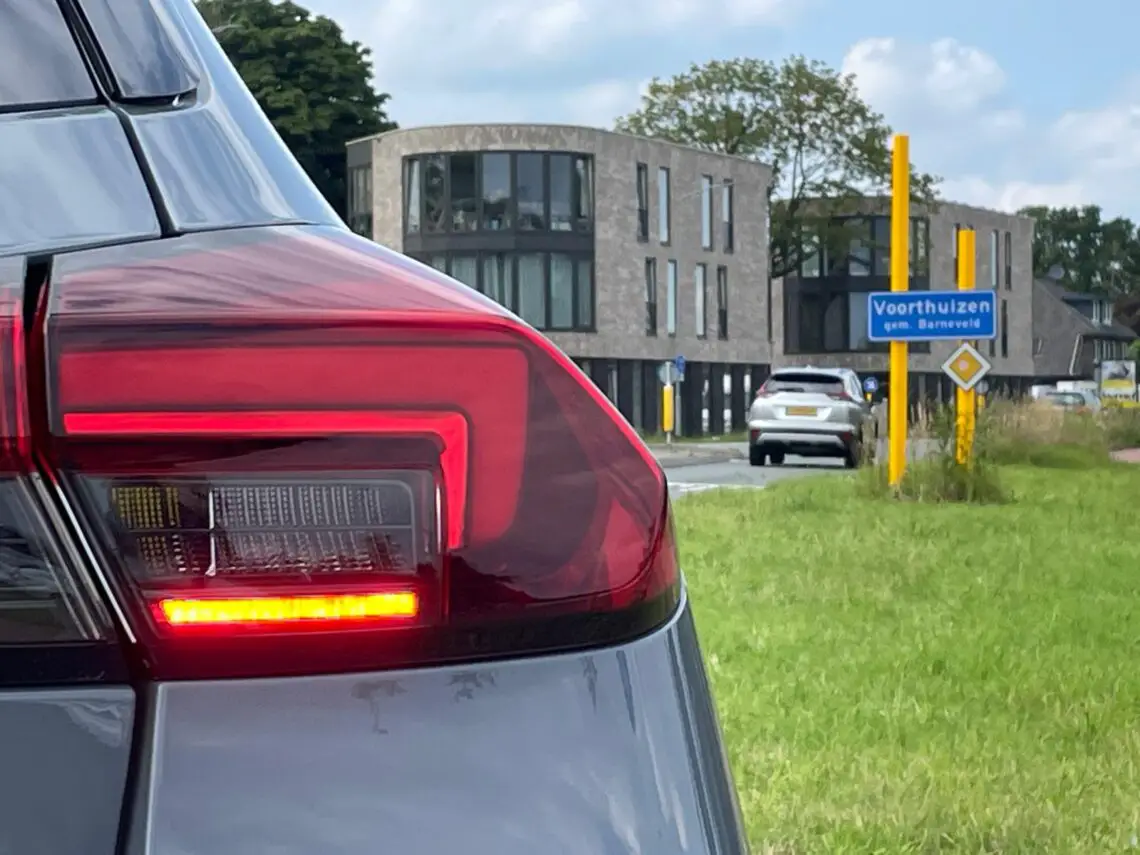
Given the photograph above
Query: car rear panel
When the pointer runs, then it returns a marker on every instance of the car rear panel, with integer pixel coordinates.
(65, 755)
(611, 751)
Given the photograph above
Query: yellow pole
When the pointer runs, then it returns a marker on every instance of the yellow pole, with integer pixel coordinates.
(900, 281)
(966, 402)
(667, 411)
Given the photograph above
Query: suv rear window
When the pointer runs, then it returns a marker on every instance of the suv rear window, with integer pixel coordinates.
(39, 62)
(805, 381)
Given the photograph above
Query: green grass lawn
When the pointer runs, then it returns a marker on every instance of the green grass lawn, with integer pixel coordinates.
(909, 678)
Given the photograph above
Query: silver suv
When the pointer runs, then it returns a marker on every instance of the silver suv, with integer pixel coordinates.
(810, 412)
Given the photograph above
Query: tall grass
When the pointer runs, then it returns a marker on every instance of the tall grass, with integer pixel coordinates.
(1008, 432)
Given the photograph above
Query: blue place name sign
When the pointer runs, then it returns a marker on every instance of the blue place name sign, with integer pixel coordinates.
(931, 315)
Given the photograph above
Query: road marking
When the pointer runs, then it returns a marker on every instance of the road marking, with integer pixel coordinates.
(683, 487)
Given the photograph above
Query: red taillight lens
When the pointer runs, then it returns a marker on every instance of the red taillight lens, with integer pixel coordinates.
(841, 396)
(266, 474)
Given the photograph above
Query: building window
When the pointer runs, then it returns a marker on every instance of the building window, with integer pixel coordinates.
(663, 212)
(994, 260)
(1008, 261)
(413, 184)
(810, 262)
(584, 294)
(499, 279)
(561, 193)
(532, 289)
(496, 177)
(435, 197)
(957, 235)
(465, 268)
(722, 303)
(859, 257)
(701, 276)
(642, 202)
(583, 194)
(726, 214)
(671, 298)
(706, 212)
(651, 296)
(464, 192)
(499, 191)
(561, 291)
(550, 291)
(1004, 330)
(360, 200)
(920, 248)
(530, 191)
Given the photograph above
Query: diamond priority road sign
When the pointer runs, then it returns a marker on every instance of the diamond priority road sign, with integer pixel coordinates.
(966, 367)
(931, 315)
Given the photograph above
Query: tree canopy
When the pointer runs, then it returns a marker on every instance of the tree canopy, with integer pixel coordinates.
(826, 146)
(1089, 252)
(313, 84)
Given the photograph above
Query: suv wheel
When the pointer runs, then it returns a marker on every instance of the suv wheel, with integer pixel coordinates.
(777, 458)
(756, 455)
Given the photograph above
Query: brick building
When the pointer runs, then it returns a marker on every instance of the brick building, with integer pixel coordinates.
(624, 251)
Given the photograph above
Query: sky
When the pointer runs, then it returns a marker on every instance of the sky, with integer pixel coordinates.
(1012, 102)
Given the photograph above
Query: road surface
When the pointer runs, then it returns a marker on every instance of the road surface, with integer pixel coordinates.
(697, 477)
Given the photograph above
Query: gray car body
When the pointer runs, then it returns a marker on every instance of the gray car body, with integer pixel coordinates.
(596, 752)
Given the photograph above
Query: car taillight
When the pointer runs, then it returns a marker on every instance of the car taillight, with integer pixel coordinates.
(301, 453)
(763, 393)
(841, 396)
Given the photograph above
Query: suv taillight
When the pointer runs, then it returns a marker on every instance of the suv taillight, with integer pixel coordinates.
(300, 453)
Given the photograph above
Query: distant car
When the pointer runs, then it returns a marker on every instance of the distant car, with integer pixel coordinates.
(1078, 400)
(810, 412)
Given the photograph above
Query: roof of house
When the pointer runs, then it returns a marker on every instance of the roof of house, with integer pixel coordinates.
(1085, 326)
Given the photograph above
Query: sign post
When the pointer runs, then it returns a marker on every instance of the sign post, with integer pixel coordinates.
(965, 397)
(669, 373)
(900, 282)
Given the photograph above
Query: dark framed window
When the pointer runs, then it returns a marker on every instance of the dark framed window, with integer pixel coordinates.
(499, 191)
(360, 200)
(435, 193)
(1008, 261)
(722, 303)
(701, 299)
(811, 258)
(860, 253)
(642, 202)
(994, 259)
(552, 291)
(956, 236)
(495, 180)
(920, 247)
(664, 214)
(671, 298)
(706, 212)
(562, 201)
(1004, 319)
(463, 181)
(651, 296)
(530, 191)
(727, 214)
(583, 190)
(413, 195)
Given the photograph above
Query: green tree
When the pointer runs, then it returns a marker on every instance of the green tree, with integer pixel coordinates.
(313, 84)
(826, 146)
(1089, 252)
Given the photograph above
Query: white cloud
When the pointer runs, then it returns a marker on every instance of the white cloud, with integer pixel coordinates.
(413, 41)
(953, 100)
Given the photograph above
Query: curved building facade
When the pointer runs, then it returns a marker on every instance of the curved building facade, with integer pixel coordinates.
(625, 251)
